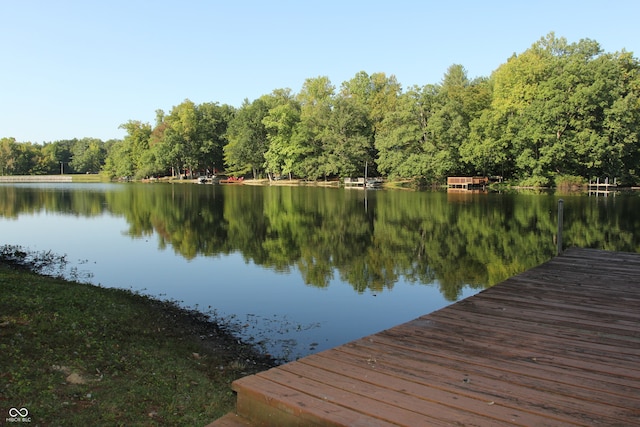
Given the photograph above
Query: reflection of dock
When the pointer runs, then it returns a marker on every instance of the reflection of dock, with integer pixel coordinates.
(602, 188)
(550, 346)
(464, 195)
(451, 190)
(467, 182)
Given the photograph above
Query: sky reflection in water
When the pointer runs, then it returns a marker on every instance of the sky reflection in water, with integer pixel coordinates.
(275, 309)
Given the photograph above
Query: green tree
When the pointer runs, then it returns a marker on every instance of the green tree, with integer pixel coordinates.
(56, 157)
(346, 139)
(448, 126)
(282, 126)
(8, 148)
(22, 158)
(192, 137)
(382, 97)
(247, 138)
(119, 161)
(129, 157)
(402, 140)
(212, 125)
(610, 145)
(138, 136)
(515, 84)
(181, 137)
(88, 155)
(316, 104)
(155, 159)
(378, 95)
(487, 150)
(554, 109)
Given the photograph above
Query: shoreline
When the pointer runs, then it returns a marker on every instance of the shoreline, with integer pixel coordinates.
(78, 354)
(394, 185)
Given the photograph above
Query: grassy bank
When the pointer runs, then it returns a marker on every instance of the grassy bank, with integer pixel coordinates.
(76, 354)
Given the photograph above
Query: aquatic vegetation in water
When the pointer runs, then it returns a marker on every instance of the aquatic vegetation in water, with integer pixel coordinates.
(42, 262)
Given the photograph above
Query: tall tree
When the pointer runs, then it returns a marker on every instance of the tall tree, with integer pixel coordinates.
(448, 127)
(138, 139)
(383, 97)
(282, 123)
(88, 155)
(402, 141)
(179, 147)
(608, 140)
(487, 150)
(550, 108)
(316, 103)
(56, 157)
(119, 161)
(20, 158)
(8, 147)
(378, 95)
(346, 139)
(247, 138)
(213, 121)
(129, 157)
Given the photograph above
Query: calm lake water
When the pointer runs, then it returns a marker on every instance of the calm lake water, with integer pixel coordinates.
(300, 269)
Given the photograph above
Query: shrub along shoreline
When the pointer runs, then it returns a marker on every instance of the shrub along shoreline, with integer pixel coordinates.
(79, 354)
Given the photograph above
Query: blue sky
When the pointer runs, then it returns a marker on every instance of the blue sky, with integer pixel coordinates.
(81, 68)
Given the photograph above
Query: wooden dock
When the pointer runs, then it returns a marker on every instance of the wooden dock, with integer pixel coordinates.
(558, 345)
(603, 188)
(467, 182)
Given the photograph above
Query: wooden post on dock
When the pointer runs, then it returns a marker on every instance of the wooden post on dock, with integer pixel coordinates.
(560, 212)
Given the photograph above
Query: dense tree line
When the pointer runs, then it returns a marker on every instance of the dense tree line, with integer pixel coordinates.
(557, 109)
(86, 155)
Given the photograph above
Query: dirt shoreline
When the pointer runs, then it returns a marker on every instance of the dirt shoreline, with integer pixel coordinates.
(214, 336)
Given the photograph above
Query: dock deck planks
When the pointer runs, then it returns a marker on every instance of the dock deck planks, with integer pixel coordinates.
(556, 345)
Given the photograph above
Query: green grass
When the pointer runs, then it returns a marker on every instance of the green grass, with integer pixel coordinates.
(76, 354)
(94, 177)
(568, 181)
